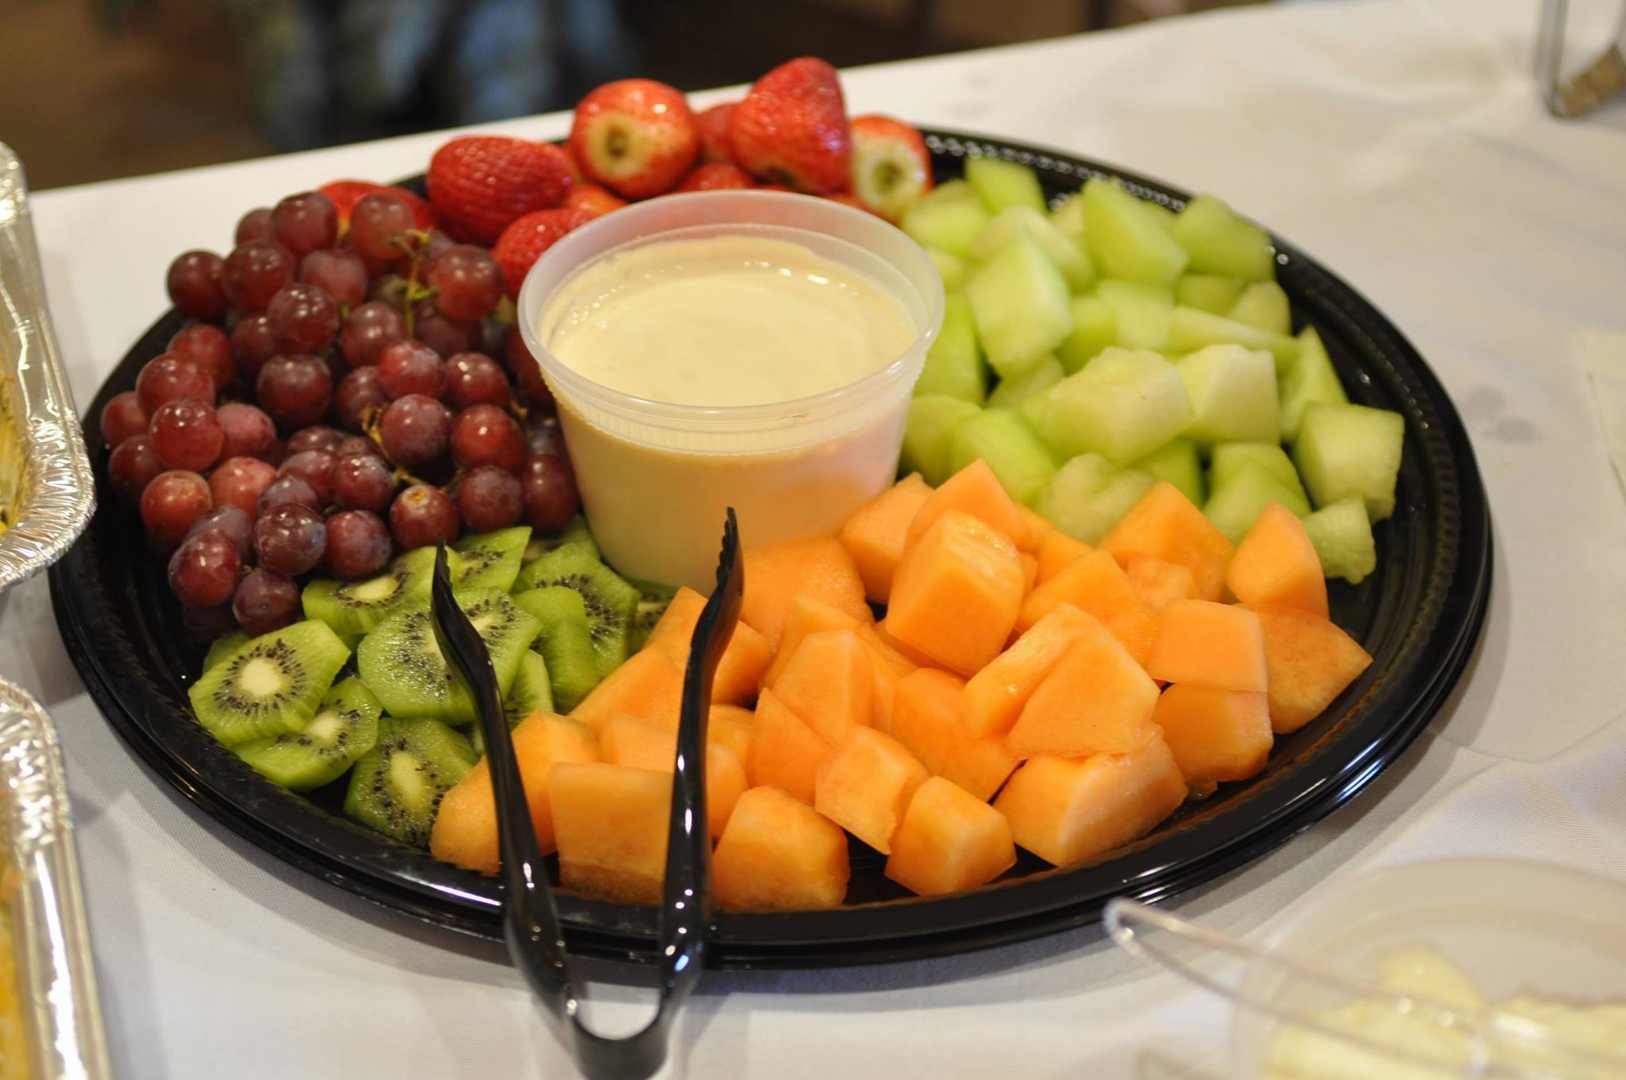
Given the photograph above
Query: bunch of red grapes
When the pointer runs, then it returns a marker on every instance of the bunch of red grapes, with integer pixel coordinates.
(337, 399)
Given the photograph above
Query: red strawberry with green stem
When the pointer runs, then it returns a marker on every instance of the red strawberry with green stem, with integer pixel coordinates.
(713, 125)
(479, 184)
(524, 241)
(636, 137)
(792, 128)
(891, 166)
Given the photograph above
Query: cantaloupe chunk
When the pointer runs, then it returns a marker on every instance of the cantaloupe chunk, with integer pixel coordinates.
(874, 536)
(808, 615)
(1066, 810)
(1159, 583)
(1276, 564)
(1214, 735)
(995, 695)
(1201, 643)
(974, 490)
(746, 657)
(1056, 552)
(730, 726)
(830, 684)
(865, 785)
(784, 751)
(950, 841)
(816, 565)
(1096, 700)
(890, 665)
(1166, 524)
(957, 592)
(649, 686)
(928, 718)
(903, 648)
(1310, 661)
(1096, 584)
(778, 854)
(611, 822)
(1030, 570)
(1037, 527)
(627, 740)
(465, 830)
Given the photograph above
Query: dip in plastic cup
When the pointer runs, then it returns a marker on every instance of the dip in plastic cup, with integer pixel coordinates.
(656, 478)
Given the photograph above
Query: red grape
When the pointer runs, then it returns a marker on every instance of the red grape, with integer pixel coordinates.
(255, 270)
(123, 418)
(207, 623)
(253, 343)
(546, 438)
(361, 389)
(295, 390)
(239, 482)
(414, 430)
(527, 372)
(132, 466)
(358, 444)
(422, 515)
(249, 431)
(255, 225)
(389, 288)
(168, 378)
(548, 490)
(197, 284)
(447, 337)
(411, 367)
(340, 274)
(265, 602)
(488, 498)
(204, 569)
(284, 490)
(467, 281)
(232, 522)
(370, 329)
(303, 317)
(438, 242)
(475, 379)
(358, 544)
(375, 223)
(305, 222)
(289, 538)
(493, 337)
(486, 435)
(171, 503)
(315, 437)
(315, 467)
(363, 482)
(208, 347)
(187, 435)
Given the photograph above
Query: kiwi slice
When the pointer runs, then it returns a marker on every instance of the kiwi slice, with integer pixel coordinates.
(401, 662)
(271, 685)
(652, 601)
(352, 608)
(223, 646)
(531, 690)
(575, 532)
(610, 601)
(397, 785)
(489, 560)
(344, 728)
(565, 642)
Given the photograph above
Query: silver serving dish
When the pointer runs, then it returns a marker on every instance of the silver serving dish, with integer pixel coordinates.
(47, 491)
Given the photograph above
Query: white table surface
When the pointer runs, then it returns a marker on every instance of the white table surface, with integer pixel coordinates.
(1400, 141)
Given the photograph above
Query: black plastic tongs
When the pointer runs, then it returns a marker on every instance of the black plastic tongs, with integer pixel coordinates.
(530, 919)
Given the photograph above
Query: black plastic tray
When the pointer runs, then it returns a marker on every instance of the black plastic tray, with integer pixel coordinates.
(1418, 616)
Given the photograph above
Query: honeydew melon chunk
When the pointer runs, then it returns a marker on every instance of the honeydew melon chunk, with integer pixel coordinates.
(1095, 326)
(1012, 450)
(1123, 405)
(947, 218)
(1015, 392)
(1002, 184)
(1343, 541)
(1089, 494)
(1069, 258)
(1127, 239)
(1020, 303)
(1163, 213)
(951, 268)
(1191, 329)
(1237, 502)
(1230, 458)
(1221, 242)
(1209, 292)
(1347, 450)
(1032, 410)
(927, 435)
(954, 364)
(1177, 462)
(1140, 312)
(1309, 378)
(1232, 391)
(1264, 304)
(1068, 216)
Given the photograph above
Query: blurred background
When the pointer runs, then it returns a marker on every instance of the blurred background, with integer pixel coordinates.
(105, 88)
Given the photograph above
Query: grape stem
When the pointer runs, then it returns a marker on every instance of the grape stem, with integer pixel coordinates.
(414, 242)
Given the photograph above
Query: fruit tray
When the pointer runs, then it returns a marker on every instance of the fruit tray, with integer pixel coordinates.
(1418, 615)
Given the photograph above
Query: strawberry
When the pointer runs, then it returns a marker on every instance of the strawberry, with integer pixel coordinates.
(891, 166)
(594, 199)
(527, 237)
(792, 128)
(636, 137)
(713, 125)
(345, 194)
(481, 183)
(717, 176)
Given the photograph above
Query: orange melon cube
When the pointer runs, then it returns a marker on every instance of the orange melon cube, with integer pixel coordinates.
(1202, 643)
(745, 658)
(649, 686)
(775, 574)
(929, 720)
(1164, 523)
(465, 830)
(1310, 661)
(784, 751)
(730, 726)
(1276, 564)
(949, 841)
(865, 785)
(995, 695)
(1056, 551)
(903, 648)
(875, 535)
(807, 616)
(1159, 583)
(974, 490)
(957, 593)
(1095, 700)
(1067, 810)
(1037, 527)
(611, 822)
(1214, 735)
(1095, 584)
(1030, 571)
(778, 854)
(636, 743)
(830, 684)
(890, 665)
(675, 629)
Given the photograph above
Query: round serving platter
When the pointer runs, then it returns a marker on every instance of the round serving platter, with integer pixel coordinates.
(1418, 615)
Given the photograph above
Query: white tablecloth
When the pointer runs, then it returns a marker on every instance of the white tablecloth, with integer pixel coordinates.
(1402, 142)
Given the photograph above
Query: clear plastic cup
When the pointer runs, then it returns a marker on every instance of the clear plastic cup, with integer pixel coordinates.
(656, 478)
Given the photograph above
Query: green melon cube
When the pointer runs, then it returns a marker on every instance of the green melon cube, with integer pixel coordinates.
(1191, 329)
(1032, 410)
(1127, 239)
(1229, 458)
(1068, 216)
(1351, 450)
(954, 364)
(1089, 494)
(1020, 302)
(1069, 258)
(1309, 378)
(951, 268)
(1233, 395)
(1264, 304)
(1237, 502)
(1123, 405)
(1177, 462)
(928, 434)
(1140, 312)
(948, 218)
(1012, 450)
(1002, 184)
(1343, 541)
(1016, 391)
(1095, 326)
(1209, 292)
(1221, 242)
